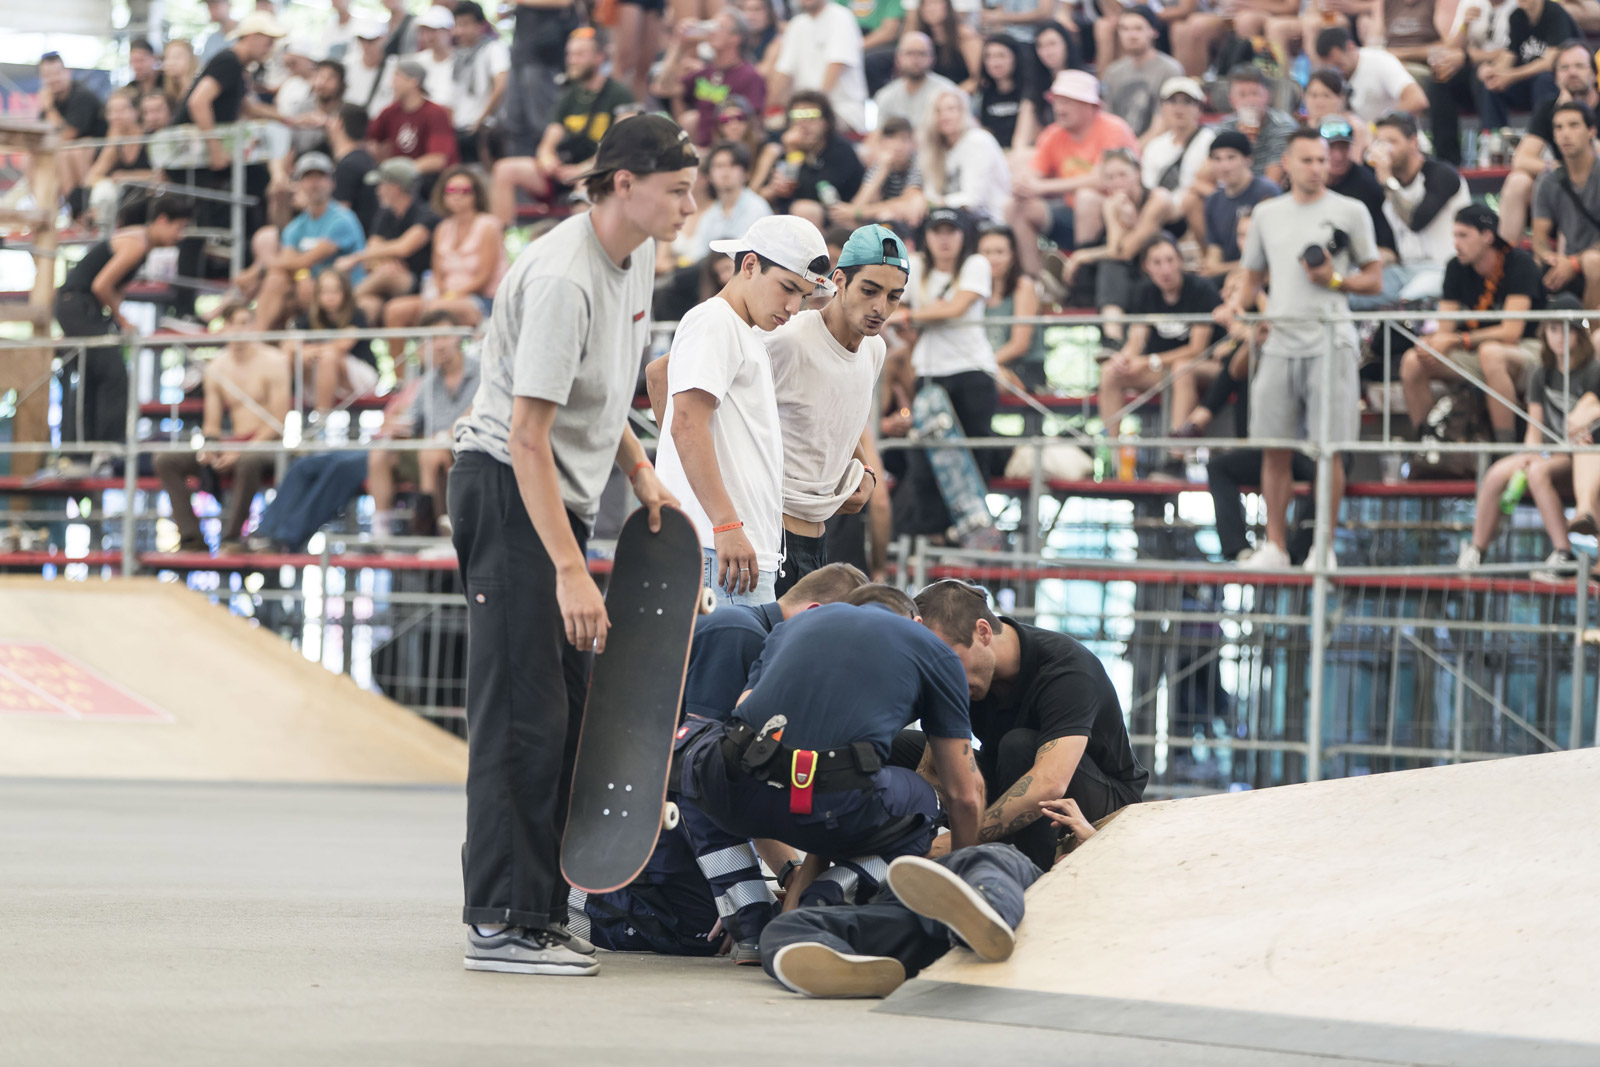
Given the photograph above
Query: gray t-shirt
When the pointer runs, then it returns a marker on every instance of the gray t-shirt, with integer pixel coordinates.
(896, 99)
(1133, 88)
(434, 408)
(569, 326)
(1551, 391)
(1266, 147)
(1280, 230)
(1551, 201)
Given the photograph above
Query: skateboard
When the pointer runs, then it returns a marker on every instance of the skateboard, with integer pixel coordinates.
(619, 777)
(956, 471)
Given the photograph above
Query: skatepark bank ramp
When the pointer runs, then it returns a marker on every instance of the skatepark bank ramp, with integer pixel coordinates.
(1438, 916)
(140, 679)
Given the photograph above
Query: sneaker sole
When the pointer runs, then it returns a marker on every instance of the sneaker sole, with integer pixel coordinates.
(514, 967)
(934, 892)
(815, 970)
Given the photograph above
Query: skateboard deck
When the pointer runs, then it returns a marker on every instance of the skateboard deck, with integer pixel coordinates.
(619, 778)
(933, 418)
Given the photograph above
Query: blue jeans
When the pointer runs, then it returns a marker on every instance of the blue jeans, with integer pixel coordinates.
(764, 592)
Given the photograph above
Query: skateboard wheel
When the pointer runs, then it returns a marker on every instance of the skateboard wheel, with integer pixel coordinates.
(669, 816)
(708, 601)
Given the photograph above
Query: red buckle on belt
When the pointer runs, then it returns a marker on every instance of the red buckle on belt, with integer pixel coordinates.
(802, 775)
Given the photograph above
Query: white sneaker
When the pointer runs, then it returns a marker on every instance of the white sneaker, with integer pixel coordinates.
(1333, 562)
(938, 893)
(1470, 558)
(1267, 557)
(1558, 567)
(1244, 555)
(815, 970)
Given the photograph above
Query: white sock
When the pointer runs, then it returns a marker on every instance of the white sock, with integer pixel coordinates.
(489, 929)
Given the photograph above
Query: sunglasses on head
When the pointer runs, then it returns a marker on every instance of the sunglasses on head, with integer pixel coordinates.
(733, 116)
(1335, 130)
(458, 187)
(805, 113)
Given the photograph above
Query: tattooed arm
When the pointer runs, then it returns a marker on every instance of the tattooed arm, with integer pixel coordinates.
(1047, 779)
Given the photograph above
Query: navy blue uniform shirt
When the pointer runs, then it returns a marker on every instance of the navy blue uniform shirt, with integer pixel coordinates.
(726, 643)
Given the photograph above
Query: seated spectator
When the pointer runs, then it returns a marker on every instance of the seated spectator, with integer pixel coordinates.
(1421, 198)
(347, 137)
(449, 382)
(1239, 188)
(881, 22)
(589, 104)
(325, 230)
(482, 73)
(414, 127)
(821, 53)
(76, 113)
(739, 121)
(1173, 159)
(1018, 347)
(220, 12)
(178, 68)
(894, 191)
(1575, 80)
(1487, 274)
(957, 48)
(1563, 390)
(143, 66)
(1130, 215)
(326, 98)
(1153, 351)
(292, 96)
(1480, 31)
(1055, 49)
(366, 67)
(696, 93)
(340, 368)
(1348, 176)
(1327, 99)
(1266, 127)
(1566, 205)
(1016, 20)
(1522, 77)
(155, 112)
(1379, 82)
(962, 164)
(1065, 165)
(910, 95)
(733, 207)
(399, 247)
(1005, 99)
(436, 55)
(469, 256)
(400, 32)
(1414, 30)
(812, 167)
(115, 162)
(1133, 83)
(764, 22)
(249, 386)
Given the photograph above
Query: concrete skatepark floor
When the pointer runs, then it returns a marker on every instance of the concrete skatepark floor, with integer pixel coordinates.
(176, 924)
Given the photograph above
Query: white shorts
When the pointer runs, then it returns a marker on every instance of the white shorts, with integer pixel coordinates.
(363, 376)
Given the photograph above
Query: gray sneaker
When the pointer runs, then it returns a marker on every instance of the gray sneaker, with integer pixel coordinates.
(938, 893)
(581, 945)
(517, 950)
(746, 953)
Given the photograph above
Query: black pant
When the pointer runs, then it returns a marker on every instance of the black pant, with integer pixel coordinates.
(801, 556)
(525, 692)
(1096, 794)
(101, 377)
(1445, 101)
(918, 506)
(214, 214)
(1227, 471)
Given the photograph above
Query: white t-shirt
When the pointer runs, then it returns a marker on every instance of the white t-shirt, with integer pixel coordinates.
(438, 83)
(976, 175)
(813, 43)
(1377, 83)
(954, 345)
(1435, 243)
(1164, 150)
(714, 350)
(825, 394)
(476, 85)
(360, 81)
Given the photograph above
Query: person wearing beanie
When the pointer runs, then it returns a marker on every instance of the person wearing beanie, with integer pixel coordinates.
(415, 127)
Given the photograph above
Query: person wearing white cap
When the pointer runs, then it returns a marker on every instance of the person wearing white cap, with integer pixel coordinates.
(721, 449)
(1064, 175)
(1172, 158)
(221, 94)
(1133, 83)
(436, 53)
(365, 65)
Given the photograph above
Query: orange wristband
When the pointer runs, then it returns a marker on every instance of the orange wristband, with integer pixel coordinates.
(637, 467)
(725, 529)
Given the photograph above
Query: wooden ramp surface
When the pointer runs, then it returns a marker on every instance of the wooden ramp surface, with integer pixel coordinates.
(1446, 915)
(140, 679)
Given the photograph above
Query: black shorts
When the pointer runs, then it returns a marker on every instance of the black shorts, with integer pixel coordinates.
(650, 7)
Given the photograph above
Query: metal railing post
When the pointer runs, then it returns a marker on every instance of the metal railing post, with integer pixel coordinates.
(1321, 551)
(236, 209)
(1580, 622)
(130, 478)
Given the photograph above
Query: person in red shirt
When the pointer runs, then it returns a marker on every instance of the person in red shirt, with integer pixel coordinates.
(696, 92)
(1065, 166)
(415, 127)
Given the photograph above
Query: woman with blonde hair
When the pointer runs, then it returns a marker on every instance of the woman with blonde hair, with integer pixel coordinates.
(963, 166)
(177, 69)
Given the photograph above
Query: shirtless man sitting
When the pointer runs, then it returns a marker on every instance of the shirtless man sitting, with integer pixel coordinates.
(249, 383)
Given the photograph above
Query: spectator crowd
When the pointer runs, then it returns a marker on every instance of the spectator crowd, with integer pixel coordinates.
(1034, 156)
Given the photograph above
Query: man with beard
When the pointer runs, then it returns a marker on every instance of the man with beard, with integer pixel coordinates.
(1575, 78)
(1566, 202)
(1350, 177)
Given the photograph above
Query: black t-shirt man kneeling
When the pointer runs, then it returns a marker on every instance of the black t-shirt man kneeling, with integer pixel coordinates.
(1045, 714)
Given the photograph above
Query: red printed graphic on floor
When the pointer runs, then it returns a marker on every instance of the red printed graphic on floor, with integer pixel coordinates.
(38, 680)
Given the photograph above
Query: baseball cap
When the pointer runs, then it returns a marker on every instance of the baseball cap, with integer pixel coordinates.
(1335, 129)
(1479, 217)
(300, 45)
(437, 18)
(1231, 139)
(256, 22)
(397, 171)
(945, 216)
(313, 161)
(413, 70)
(873, 244)
(1178, 85)
(787, 240)
(1077, 85)
(644, 144)
(1563, 301)
(369, 30)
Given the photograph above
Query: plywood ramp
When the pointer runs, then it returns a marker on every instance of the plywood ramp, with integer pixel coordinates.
(136, 678)
(1448, 915)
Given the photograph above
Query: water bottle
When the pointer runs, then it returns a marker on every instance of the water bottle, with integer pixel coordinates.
(1513, 493)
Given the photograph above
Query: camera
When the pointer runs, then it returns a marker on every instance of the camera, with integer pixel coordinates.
(1316, 255)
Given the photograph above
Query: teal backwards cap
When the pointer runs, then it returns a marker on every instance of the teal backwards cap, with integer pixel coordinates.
(874, 244)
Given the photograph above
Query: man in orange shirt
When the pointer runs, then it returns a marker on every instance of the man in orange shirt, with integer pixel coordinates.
(1065, 166)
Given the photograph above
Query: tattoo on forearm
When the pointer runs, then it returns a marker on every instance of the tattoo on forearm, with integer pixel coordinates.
(995, 823)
